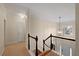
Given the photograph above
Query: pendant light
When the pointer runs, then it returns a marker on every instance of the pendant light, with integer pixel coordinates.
(59, 26)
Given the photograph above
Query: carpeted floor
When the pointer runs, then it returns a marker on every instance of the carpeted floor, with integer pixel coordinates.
(17, 49)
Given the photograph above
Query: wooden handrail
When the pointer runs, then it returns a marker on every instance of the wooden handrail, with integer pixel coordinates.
(64, 38)
(47, 38)
(32, 36)
(59, 37)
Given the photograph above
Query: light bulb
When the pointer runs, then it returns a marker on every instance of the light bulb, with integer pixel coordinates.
(22, 15)
(59, 32)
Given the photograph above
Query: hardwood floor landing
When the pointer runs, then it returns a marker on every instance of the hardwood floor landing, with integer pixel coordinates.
(17, 49)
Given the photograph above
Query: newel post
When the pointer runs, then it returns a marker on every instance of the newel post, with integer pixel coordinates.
(28, 41)
(51, 42)
(36, 45)
(43, 45)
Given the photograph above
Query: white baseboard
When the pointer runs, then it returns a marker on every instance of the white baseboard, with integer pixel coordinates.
(9, 43)
(1, 54)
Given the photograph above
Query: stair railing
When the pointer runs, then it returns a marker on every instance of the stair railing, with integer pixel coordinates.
(36, 39)
(52, 46)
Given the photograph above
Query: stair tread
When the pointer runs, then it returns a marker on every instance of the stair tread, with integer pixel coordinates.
(48, 53)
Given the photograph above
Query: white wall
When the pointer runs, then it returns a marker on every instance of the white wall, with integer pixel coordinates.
(15, 30)
(2, 17)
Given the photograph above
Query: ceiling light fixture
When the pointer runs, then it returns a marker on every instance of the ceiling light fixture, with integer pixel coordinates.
(59, 26)
(22, 15)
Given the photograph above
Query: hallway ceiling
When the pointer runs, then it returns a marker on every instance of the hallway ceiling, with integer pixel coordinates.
(51, 11)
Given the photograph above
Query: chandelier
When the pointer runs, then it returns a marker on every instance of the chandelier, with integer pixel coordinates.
(59, 26)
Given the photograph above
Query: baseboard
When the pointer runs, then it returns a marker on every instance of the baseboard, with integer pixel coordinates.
(11, 43)
(2, 52)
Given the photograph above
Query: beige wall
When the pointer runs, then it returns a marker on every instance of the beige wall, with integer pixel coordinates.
(2, 17)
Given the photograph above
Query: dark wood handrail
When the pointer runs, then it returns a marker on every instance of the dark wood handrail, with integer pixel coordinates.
(64, 38)
(60, 38)
(32, 36)
(51, 41)
(36, 39)
(47, 38)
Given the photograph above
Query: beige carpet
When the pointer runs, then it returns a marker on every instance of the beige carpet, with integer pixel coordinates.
(17, 49)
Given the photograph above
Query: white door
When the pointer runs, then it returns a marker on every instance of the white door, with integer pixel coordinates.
(15, 25)
(21, 29)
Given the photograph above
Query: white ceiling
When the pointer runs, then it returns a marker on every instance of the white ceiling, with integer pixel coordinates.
(51, 11)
